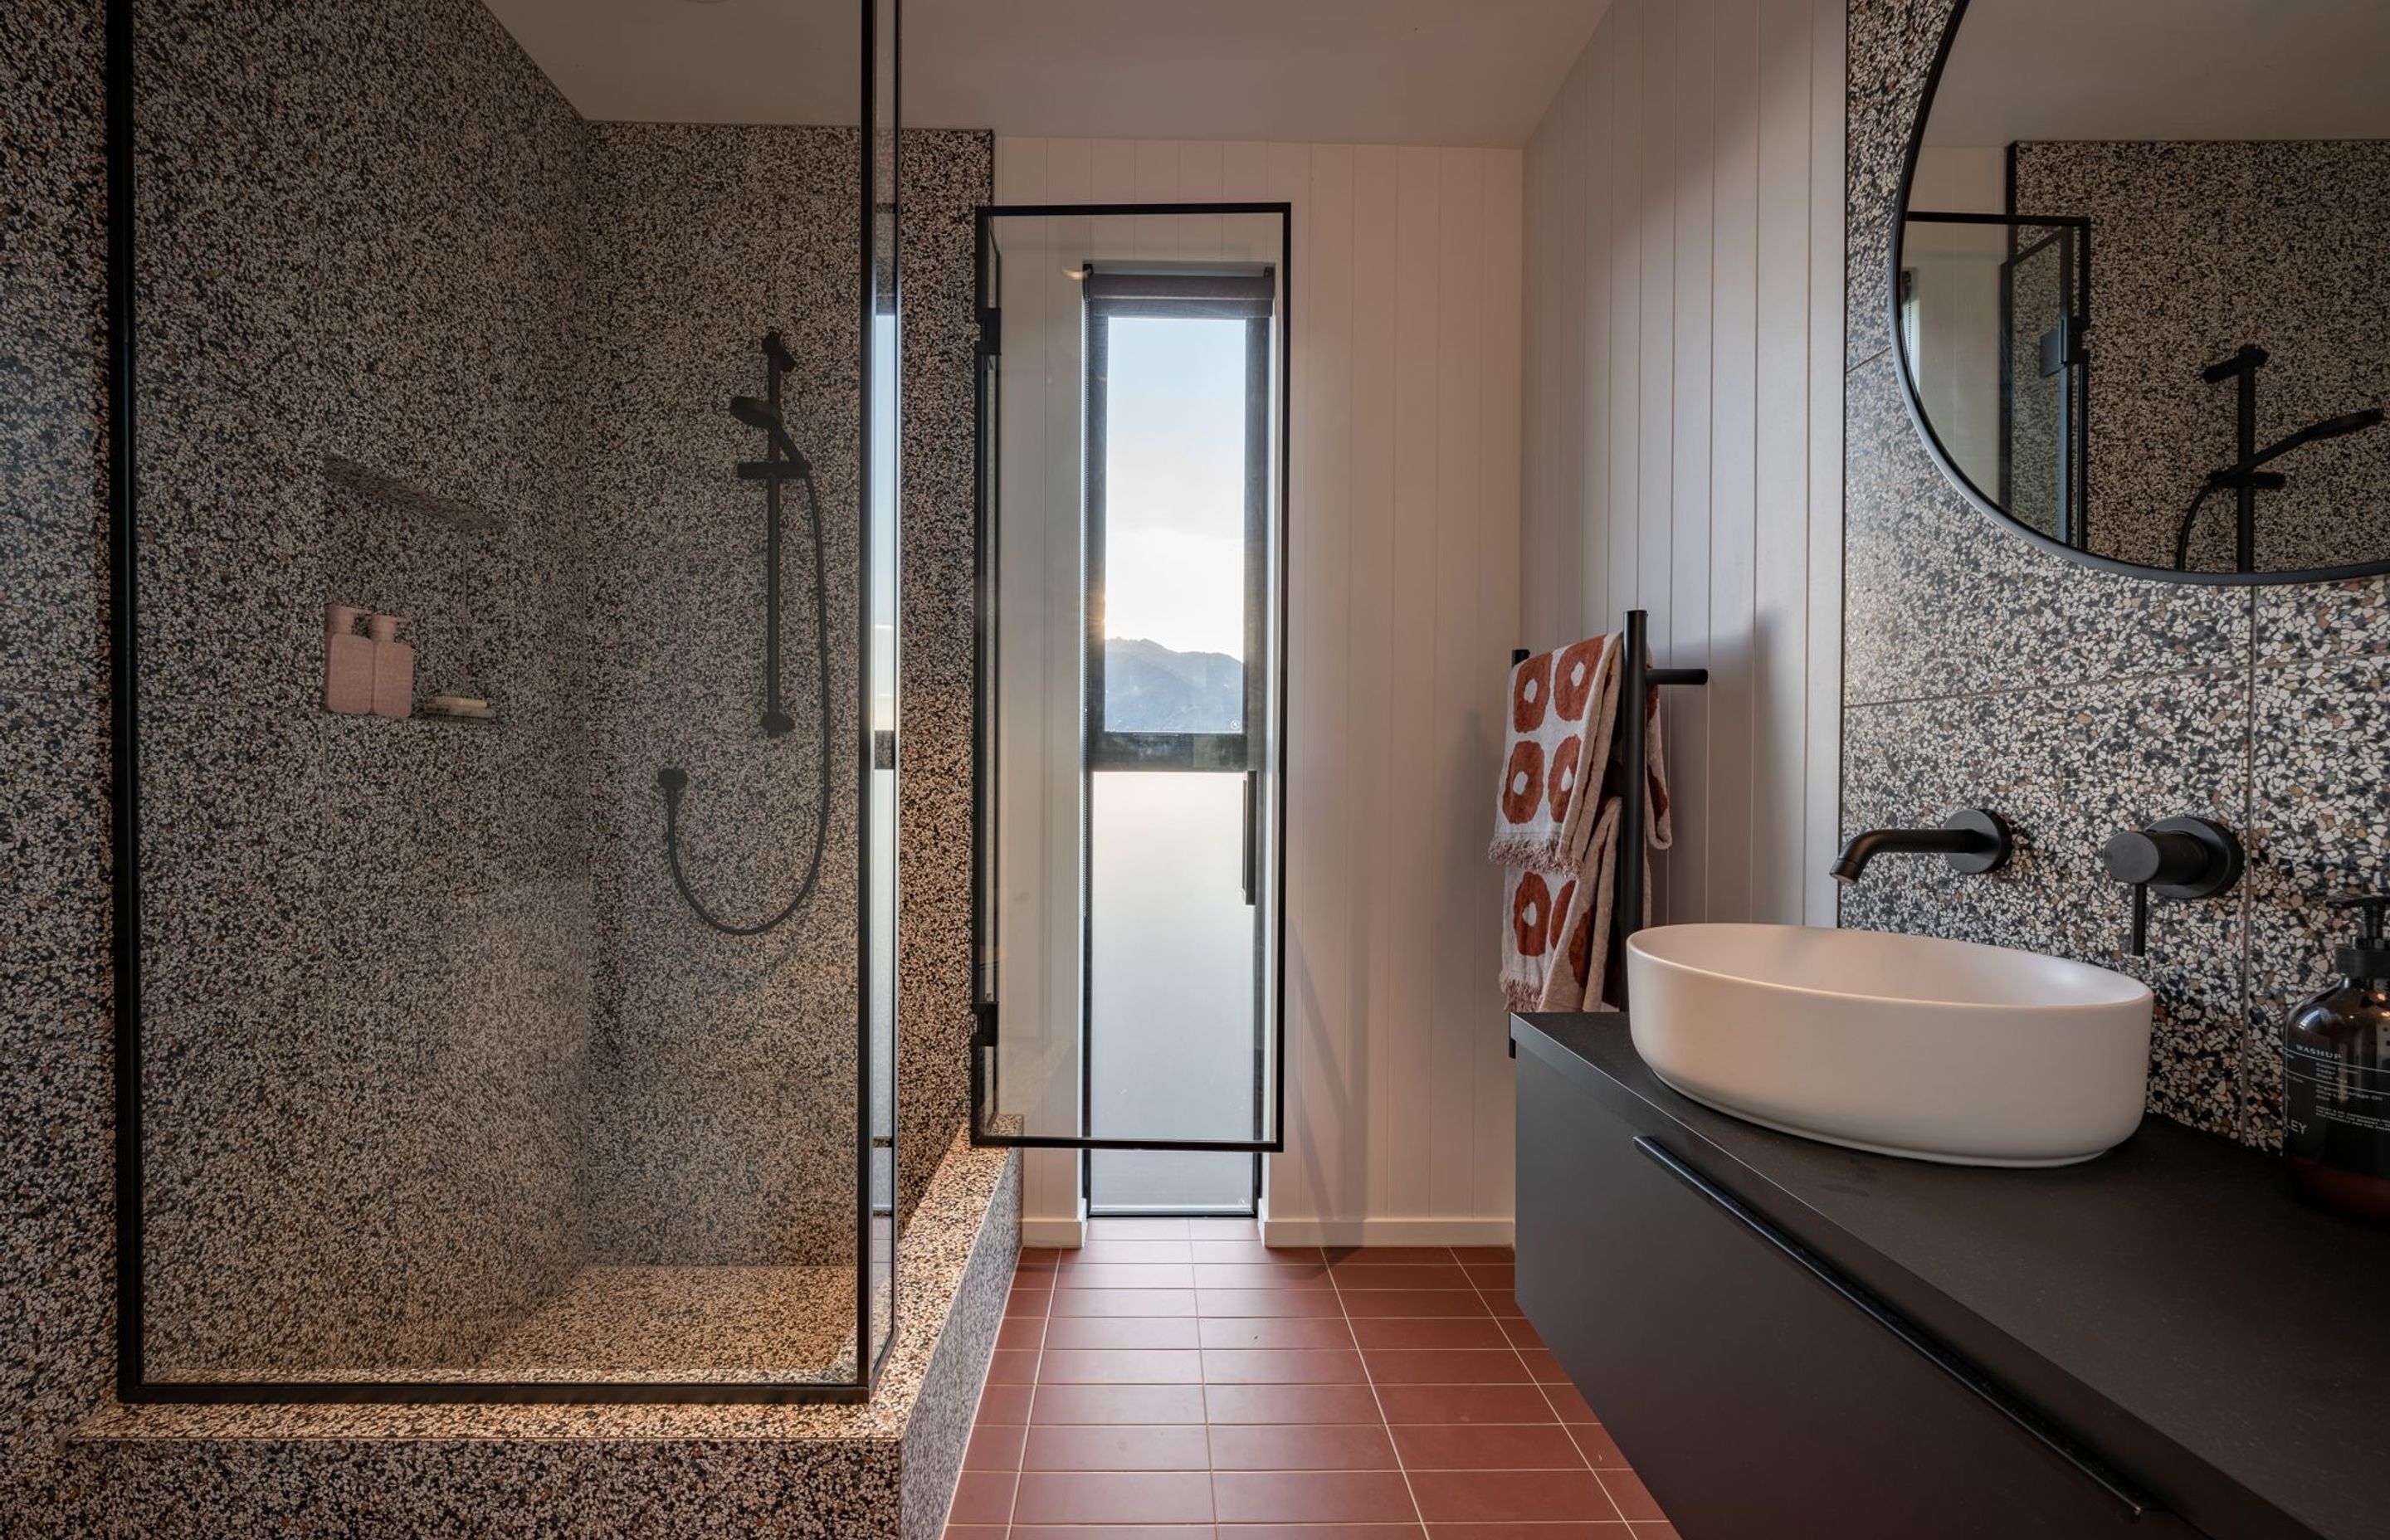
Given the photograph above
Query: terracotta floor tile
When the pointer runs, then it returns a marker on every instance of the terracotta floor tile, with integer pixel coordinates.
(976, 1532)
(1599, 1530)
(1282, 1367)
(1113, 1531)
(1224, 1229)
(1500, 1255)
(1567, 1404)
(1521, 1331)
(982, 1497)
(1543, 1368)
(1123, 1274)
(1505, 1496)
(1034, 1259)
(1275, 1331)
(1465, 1403)
(1271, 1301)
(1323, 1532)
(1089, 1332)
(1311, 1496)
(1502, 1302)
(994, 1447)
(1483, 1446)
(1361, 1304)
(1120, 1367)
(1266, 1446)
(1386, 1254)
(1137, 1229)
(1060, 1404)
(1626, 1489)
(1659, 1529)
(1124, 1301)
(1261, 1275)
(1491, 1276)
(1012, 1367)
(1114, 1497)
(1291, 1403)
(1131, 1252)
(1026, 1332)
(1250, 1252)
(1443, 1366)
(1375, 1275)
(1027, 1299)
(1599, 1449)
(1123, 1446)
(1459, 1331)
(1005, 1403)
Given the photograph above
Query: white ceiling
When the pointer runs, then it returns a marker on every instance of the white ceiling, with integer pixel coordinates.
(2166, 69)
(1361, 71)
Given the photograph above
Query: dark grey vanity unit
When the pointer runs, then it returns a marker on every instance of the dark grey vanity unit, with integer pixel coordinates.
(1791, 1339)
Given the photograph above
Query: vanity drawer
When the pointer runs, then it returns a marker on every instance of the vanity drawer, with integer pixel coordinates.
(1759, 1396)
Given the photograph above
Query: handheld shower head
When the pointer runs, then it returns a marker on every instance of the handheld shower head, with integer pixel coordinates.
(2330, 427)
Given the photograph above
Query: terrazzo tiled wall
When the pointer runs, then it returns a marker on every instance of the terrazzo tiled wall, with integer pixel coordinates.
(1979, 670)
(727, 1132)
(365, 1024)
(2196, 250)
(337, 346)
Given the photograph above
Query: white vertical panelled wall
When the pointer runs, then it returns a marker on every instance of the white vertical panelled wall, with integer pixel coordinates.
(1684, 359)
(1403, 575)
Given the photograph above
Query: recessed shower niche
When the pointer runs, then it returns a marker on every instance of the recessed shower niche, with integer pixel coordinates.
(447, 1074)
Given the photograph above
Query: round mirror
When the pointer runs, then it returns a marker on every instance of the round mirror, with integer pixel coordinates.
(2141, 280)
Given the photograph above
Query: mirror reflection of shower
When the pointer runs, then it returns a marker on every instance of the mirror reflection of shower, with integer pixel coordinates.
(2243, 476)
(782, 462)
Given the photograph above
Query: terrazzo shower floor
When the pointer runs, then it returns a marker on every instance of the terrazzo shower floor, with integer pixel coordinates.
(659, 1325)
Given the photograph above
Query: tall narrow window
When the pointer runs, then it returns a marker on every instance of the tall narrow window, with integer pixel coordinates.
(1177, 503)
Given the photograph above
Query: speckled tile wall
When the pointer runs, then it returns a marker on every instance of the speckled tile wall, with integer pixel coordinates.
(1979, 670)
(2196, 250)
(402, 292)
(365, 1024)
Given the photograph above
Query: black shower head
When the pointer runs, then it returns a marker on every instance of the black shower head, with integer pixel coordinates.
(755, 414)
(2330, 427)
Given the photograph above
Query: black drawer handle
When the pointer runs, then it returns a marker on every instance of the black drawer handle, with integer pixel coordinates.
(1932, 1351)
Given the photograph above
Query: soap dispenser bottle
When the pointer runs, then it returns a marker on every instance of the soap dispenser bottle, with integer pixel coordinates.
(347, 662)
(393, 668)
(2336, 1075)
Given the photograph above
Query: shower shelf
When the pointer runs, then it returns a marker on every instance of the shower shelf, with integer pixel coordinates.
(363, 480)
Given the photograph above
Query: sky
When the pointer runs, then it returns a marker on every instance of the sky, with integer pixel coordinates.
(1175, 484)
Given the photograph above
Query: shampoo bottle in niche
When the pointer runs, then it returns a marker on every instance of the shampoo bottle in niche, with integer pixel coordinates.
(393, 668)
(2336, 1075)
(347, 662)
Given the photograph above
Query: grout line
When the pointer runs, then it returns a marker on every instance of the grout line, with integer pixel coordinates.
(1370, 1379)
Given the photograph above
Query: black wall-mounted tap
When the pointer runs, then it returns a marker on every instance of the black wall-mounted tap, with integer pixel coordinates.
(1972, 839)
(2179, 859)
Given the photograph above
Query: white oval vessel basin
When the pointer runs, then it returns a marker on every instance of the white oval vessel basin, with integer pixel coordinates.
(1939, 1050)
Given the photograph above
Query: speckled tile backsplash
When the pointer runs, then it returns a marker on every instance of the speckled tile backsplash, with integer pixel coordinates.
(1979, 670)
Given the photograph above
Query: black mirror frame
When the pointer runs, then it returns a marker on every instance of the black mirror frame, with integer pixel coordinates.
(1941, 456)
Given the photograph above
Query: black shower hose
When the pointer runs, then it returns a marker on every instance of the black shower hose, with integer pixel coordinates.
(675, 780)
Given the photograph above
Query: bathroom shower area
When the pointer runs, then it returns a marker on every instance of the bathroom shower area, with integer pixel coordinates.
(512, 1000)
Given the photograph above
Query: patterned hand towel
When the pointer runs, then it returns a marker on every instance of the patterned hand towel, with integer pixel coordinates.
(1560, 932)
(1563, 706)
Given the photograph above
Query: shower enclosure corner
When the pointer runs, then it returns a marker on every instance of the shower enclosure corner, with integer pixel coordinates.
(504, 616)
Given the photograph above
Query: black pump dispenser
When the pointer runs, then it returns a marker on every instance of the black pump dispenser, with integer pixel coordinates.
(2337, 1075)
(2368, 956)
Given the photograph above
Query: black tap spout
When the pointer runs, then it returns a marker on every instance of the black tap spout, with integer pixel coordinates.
(1972, 839)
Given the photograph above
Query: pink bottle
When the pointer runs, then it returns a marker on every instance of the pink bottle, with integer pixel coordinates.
(347, 662)
(393, 668)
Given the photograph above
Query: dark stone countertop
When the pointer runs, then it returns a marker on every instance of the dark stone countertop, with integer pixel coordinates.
(2171, 1304)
